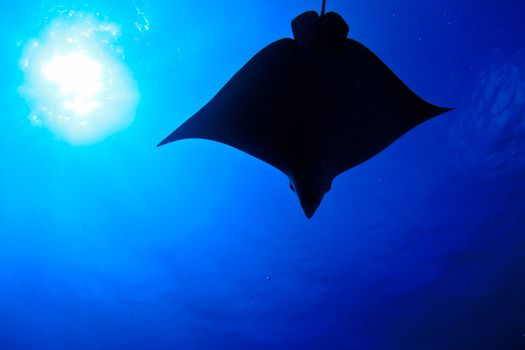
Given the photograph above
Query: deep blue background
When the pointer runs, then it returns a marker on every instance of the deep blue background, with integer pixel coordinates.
(122, 245)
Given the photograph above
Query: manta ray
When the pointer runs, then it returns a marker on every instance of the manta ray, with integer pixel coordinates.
(313, 107)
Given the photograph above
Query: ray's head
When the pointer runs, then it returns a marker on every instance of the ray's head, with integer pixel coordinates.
(310, 190)
(311, 29)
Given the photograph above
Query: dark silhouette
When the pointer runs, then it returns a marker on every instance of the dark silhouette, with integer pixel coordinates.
(313, 107)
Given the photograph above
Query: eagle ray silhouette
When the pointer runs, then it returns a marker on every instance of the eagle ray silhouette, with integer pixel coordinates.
(313, 107)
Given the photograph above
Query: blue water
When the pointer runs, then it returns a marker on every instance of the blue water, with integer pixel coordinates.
(195, 245)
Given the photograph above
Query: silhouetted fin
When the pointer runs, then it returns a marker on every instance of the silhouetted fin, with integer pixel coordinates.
(247, 104)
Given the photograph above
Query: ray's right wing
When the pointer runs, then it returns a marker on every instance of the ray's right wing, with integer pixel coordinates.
(370, 105)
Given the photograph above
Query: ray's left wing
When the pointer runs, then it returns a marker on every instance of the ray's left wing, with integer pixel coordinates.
(247, 112)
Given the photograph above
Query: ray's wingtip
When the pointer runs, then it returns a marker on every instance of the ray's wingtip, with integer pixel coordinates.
(163, 142)
(438, 110)
(446, 109)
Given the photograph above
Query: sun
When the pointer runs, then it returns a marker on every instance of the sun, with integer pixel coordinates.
(76, 81)
(78, 78)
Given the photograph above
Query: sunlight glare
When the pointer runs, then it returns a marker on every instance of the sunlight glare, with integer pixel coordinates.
(76, 81)
(79, 80)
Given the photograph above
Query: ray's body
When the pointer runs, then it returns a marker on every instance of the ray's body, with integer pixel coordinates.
(313, 107)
